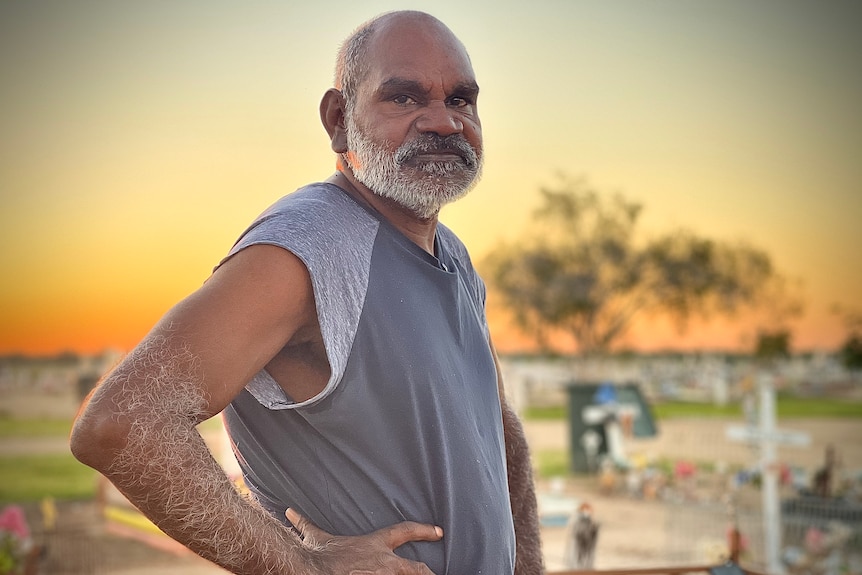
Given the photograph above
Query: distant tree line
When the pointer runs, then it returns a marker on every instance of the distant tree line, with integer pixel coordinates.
(582, 269)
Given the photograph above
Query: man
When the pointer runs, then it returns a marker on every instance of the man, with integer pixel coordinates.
(344, 338)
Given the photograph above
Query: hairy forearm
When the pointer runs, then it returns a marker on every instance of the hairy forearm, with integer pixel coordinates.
(523, 497)
(183, 491)
(165, 469)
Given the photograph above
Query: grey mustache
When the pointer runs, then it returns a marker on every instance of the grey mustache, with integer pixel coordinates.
(434, 143)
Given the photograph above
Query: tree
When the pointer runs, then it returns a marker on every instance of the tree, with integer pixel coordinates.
(851, 351)
(582, 271)
(772, 344)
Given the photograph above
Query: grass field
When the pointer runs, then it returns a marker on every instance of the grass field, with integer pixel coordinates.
(11, 427)
(29, 478)
(786, 406)
(26, 478)
(551, 463)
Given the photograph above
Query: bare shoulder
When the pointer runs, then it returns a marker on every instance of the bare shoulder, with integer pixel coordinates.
(200, 355)
(250, 309)
(261, 276)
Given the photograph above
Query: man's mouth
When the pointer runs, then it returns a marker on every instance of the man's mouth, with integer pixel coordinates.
(432, 149)
(437, 156)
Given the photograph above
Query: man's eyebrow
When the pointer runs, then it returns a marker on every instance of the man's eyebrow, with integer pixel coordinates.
(396, 84)
(466, 88)
(392, 85)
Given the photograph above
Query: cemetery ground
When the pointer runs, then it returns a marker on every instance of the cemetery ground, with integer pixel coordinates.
(685, 526)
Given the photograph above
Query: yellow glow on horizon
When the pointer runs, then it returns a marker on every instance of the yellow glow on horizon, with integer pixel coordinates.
(140, 141)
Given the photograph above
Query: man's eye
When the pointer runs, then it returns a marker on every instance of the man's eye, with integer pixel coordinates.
(458, 102)
(403, 100)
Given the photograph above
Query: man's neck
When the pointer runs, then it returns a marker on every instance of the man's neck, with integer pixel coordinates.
(419, 231)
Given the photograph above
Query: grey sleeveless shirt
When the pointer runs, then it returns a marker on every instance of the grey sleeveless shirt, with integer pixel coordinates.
(408, 427)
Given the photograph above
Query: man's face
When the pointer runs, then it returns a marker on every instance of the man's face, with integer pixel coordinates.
(413, 134)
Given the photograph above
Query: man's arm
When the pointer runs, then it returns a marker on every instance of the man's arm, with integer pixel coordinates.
(138, 426)
(522, 491)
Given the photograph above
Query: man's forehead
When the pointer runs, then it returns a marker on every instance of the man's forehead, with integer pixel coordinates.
(414, 47)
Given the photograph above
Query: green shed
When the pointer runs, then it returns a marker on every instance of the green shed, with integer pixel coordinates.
(583, 429)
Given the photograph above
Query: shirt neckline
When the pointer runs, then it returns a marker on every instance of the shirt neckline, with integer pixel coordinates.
(440, 259)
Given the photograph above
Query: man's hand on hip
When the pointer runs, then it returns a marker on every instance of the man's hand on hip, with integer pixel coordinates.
(370, 554)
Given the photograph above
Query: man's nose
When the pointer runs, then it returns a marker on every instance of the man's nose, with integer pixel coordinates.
(439, 118)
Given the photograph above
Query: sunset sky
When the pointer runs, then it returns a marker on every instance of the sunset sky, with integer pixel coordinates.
(138, 139)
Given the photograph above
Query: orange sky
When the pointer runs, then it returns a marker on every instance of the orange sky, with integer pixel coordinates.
(138, 141)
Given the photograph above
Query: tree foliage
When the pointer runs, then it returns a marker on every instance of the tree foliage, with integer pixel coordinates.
(850, 352)
(582, 270)
(773, 344)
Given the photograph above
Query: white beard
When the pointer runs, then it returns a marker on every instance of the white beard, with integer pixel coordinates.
(422, 189)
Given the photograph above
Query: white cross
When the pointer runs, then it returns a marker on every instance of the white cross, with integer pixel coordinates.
(768, 438)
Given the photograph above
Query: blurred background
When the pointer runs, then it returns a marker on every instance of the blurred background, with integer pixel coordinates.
(140, 139)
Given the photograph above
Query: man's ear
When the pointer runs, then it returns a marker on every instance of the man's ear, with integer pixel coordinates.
(332, 108)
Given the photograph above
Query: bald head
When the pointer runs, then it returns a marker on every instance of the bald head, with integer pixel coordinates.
(353, 61)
